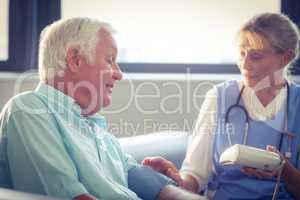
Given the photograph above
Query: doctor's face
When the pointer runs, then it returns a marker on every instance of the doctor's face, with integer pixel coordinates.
(258, 60)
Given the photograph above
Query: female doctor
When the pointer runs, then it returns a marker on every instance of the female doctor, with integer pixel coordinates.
(260, 110)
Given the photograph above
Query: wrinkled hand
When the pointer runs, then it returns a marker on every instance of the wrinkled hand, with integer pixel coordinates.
(163, 166)
(261, 174)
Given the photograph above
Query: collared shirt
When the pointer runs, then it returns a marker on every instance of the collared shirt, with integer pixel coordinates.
(53, 150)
(198, 160)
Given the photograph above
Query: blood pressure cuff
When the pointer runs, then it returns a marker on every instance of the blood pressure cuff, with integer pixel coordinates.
(146, 182)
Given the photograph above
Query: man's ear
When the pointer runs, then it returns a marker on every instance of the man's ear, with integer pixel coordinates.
(73, 59)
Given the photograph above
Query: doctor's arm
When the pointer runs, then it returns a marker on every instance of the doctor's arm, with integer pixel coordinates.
(291, 176)
(148, 184)
(170, 192)
(166, 167)
(151, 185)
(194, 172)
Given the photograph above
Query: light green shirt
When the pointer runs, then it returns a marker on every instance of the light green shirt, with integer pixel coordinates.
(53, 150)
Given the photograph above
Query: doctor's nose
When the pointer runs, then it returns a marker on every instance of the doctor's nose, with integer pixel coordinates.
(245, 62)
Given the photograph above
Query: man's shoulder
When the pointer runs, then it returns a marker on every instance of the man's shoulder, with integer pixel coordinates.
(26, 101)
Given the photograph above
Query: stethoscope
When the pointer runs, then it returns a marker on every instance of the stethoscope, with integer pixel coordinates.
(288, 153)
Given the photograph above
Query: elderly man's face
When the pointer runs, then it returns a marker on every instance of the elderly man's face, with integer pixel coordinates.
(98, 78)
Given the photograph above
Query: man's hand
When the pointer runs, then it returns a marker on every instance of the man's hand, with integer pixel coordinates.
(163, 166)
(261, 174)
(170, 192)
(85, 197)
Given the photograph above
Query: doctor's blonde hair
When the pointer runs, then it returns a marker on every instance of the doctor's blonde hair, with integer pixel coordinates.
(276, 29)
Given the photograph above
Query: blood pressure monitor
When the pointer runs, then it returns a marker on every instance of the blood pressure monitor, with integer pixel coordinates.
(248, 156)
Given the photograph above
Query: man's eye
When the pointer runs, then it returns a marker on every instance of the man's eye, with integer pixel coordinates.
(109, 60)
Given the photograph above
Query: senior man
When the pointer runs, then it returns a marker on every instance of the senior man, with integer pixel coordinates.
(53, 142)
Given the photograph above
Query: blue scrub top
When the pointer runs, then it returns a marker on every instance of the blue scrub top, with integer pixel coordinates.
(228, 181)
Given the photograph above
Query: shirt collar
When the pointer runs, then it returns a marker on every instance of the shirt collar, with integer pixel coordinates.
(256, 109)
(57, 97)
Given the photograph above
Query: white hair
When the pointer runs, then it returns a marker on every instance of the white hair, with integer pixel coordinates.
(57, 38)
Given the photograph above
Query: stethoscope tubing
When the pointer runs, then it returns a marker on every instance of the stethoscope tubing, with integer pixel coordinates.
(247, 119)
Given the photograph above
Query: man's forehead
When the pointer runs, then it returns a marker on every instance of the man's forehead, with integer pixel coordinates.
(107, 39)
(103, 32)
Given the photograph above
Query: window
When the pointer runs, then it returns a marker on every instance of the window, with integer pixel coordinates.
(4, 30)
(170, 31)
(153, 36)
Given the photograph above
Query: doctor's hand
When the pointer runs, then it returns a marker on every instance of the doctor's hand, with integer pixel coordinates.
(261, 174)
(163, 166)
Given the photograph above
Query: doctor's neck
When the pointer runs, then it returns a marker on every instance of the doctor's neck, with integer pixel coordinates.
(267, 89)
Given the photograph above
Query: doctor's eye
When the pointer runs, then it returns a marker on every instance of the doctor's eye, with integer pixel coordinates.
(256, 56)
(241, 55)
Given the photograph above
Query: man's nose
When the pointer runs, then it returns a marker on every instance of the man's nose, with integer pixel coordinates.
(117, 73)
